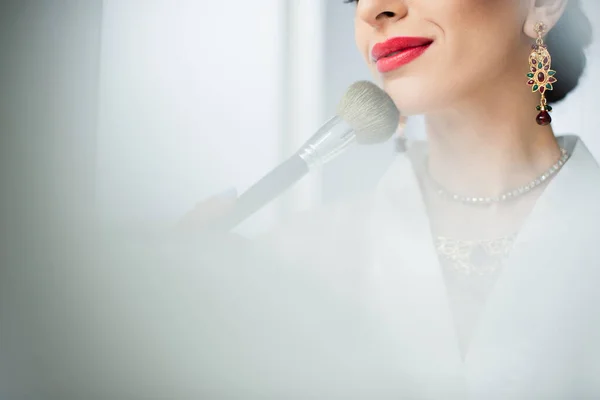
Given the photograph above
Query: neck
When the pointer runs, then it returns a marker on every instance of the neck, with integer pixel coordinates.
(490, 143)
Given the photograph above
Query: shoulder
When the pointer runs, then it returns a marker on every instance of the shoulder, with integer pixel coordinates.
(566, 217)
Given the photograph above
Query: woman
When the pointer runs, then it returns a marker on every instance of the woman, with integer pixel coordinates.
(471, 272)
(479, 248)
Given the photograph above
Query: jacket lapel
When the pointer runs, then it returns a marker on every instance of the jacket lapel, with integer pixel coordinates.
(527, 341)
(409, 287)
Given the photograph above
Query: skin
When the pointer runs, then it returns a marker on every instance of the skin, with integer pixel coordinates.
(470, 85)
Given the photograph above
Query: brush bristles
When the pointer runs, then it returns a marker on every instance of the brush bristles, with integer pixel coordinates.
(370, 111)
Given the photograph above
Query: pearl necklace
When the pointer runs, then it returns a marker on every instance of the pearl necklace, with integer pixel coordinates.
(507, 196)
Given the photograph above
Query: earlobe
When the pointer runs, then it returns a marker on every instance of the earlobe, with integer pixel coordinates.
(546, 11)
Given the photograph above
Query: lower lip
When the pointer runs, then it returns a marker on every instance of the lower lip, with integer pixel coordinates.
(387, 64)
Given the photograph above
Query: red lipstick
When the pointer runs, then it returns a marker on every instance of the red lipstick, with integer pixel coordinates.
(396, 52)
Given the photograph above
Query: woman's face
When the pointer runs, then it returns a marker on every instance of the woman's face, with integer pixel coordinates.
(463, 48)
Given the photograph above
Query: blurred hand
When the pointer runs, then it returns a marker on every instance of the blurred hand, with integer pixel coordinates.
(207, 211)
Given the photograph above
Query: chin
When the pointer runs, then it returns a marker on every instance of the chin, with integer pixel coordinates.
(412, 97)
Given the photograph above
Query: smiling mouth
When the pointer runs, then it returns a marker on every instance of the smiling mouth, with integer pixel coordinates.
(396, 45)
(397, 52)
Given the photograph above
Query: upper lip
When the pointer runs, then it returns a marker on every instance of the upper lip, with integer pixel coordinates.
(395, 44)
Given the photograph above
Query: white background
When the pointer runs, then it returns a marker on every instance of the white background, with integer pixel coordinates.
(190, 102)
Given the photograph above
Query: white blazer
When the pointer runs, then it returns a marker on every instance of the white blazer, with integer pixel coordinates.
(537, 337)
(365, 316)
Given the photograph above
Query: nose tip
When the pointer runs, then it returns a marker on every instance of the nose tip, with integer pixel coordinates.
(381, 12)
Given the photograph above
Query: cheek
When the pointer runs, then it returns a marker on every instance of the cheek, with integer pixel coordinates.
(361, 39)
(475, 31)
(444, 75)
(483, 44)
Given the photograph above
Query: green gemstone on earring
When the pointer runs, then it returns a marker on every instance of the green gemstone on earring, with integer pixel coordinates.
(548, 108)
(535, 87)
(530, 75)
(551, 73)
(538, 108)
(549, 86)
(540, 65)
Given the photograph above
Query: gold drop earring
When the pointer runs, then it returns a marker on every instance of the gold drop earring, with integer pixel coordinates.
(540, 76)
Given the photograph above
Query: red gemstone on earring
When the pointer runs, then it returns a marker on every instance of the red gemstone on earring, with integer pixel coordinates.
(542, 89)
(551, 79)
(545, 60)
(533, 61)
(533, 69)
(543, 118)
(541, 77)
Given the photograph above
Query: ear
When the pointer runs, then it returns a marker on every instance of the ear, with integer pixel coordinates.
(546, 11)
